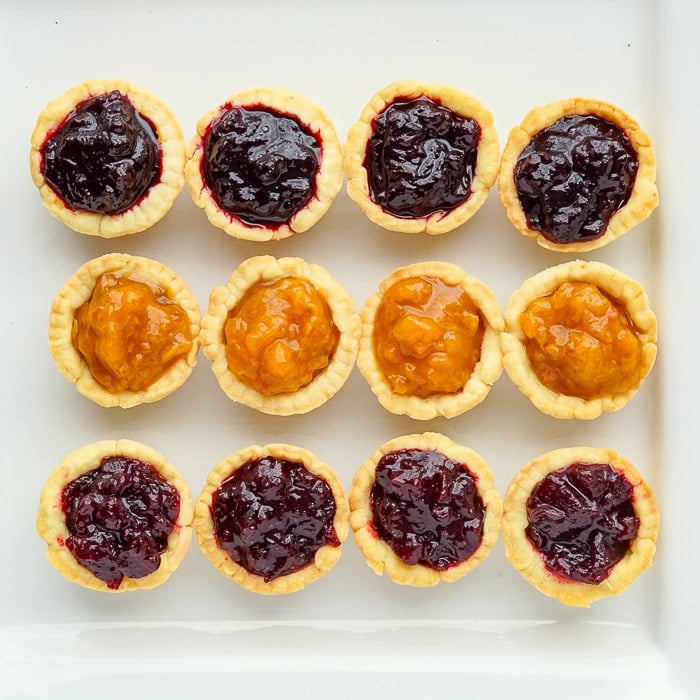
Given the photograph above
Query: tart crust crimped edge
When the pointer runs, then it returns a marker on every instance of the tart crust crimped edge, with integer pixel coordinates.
(486, 170)
(643, 199)
(379, 555)
(486, 372)
(329, 177)
(530, 565)
(325, 558)
(78, 289)
(51, 522)
(322, 387)
(156, 203)
(625, 290)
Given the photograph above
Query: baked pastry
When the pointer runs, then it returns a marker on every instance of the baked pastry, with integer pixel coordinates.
(272, 518)
(424, 510)
(125, 330)
(580, 339)
(421, 157)
(108, 158)
(116, 516)
(265, 164)
(281, 335)
(430, 341)
(577, 174)
(580, 524)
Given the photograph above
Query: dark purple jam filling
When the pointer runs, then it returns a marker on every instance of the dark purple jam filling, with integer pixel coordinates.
(104, 157)
(272, 515)
(420, 158)
(260, 165)
(427, 508)
(119, 517)
(582, 521)
(573, 176)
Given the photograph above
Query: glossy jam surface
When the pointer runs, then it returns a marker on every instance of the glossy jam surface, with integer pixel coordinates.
(119, 517)
(581, 342)
(427, 337)
(427, 508)
(260, 165)
(104, 157)
(272, 515)
(421, 158)
(582, 521)
(573, 176)
(130, 332)
(280, 335)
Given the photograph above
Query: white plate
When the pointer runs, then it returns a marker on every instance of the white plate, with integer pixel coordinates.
(357, 631)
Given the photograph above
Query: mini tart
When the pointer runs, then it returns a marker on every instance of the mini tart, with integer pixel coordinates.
(324, 557)
(155, 202)
(379, 554)
(625, 294)
(79, 290)
(485, 166)
(643, 198)
(319, 386)
(488, 367)
(327, 173)
(530, 563)
(51, 522)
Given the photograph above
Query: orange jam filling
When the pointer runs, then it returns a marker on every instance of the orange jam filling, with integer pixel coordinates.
(581, 342)
(130, 332)
(280, 335)
(427, 337)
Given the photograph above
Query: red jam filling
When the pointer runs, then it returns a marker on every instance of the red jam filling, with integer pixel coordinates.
(582, 521)
(427, 508)
(272, 515)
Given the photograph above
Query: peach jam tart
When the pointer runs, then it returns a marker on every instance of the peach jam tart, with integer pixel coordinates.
(116, 516)
(421, 157)
(580, 339)
(424, 510)
(265, 164)
(272, 518)
(125, 330)
(576, 174)
(108, 158)
(580, 524)
(281, 335)
(430, 341)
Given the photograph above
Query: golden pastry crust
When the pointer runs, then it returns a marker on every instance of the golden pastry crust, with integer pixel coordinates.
(328, 180)
(644, 197)
(614, 284)
(51, 521)
(160, 197)
(327, 382)
(486, 372)
(527, 561)
(486, 168)
(325, 558)
(79, 288)
(379, 555)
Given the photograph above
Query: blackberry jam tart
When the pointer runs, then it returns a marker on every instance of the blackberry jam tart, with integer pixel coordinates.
(424, 510)
(108, 158)
(422, 157)
(580, 524)
(580, 339)
(265, 164)
(272, 518)
(116, 516)
(577, 174)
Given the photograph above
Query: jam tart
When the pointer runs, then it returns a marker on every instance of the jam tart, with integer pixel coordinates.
(422, 157)
(125, 330)
(108, 158)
